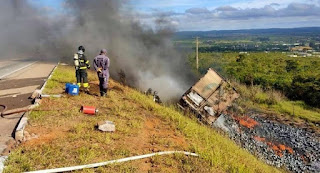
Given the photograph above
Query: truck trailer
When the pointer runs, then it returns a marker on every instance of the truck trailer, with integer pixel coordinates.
(209, 97)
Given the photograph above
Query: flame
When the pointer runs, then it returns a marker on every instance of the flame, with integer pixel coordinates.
(247, 122)
(277, 148)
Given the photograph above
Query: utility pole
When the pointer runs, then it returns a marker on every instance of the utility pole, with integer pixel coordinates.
(197, 52)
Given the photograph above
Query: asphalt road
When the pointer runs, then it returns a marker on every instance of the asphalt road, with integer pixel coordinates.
(18, 80)
(8, 67)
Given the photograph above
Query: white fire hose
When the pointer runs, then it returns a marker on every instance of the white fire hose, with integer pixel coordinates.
(94, 165)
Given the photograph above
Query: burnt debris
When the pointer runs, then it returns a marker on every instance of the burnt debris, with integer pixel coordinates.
(277, 144)
(122, 77)
(209, 97)
(148, 92)
(154, 94)
(156, 97)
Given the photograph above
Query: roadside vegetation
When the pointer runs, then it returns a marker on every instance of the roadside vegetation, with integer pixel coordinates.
(270, 81)
(66, 137)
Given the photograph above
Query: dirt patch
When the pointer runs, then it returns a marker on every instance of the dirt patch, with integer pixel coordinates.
(155, 136)
(11, 144)
(95, 89)
(44, 136)
(117, 88)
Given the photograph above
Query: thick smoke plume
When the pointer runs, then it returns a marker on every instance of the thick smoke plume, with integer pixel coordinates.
(147, 56)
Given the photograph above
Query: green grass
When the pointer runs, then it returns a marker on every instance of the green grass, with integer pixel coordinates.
(217, 149)
(63, 75)
(297, 109)
(256, 98)
(68, 137)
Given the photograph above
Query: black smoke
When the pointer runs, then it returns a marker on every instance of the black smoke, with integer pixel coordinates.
(146, 55)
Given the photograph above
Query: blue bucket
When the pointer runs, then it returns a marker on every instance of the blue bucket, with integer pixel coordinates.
(67, 87)
(73, 90)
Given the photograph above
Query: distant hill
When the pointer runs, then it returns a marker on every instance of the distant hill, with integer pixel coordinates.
(306, 31)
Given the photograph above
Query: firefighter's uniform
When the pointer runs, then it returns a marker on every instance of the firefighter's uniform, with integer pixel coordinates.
(81, 70)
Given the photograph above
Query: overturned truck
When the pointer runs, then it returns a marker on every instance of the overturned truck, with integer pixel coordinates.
(209, 97)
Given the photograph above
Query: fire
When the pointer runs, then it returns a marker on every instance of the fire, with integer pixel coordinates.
(257, 138)
(277, 148)
(247, 122)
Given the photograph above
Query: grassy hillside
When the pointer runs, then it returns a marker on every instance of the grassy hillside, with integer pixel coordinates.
(274, 77)
(68, 137)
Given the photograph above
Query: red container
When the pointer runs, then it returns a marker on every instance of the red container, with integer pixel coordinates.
(89, 110)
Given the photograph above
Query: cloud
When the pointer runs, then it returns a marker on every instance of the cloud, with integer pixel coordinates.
(248, 13)
(270, 15)
(198, 11)
(275, 4)
(268, 11)
(226, 8)
(229, 12)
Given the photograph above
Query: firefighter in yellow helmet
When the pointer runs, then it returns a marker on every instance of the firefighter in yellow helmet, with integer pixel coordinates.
(81, 64)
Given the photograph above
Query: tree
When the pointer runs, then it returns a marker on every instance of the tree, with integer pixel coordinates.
(306, 88)
(292, 65)
(241, 57)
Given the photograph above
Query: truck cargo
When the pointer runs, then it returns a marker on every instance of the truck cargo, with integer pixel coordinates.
(209, 97)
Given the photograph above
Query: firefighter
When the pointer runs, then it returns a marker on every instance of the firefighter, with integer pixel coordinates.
(101, 65)
(81, 64)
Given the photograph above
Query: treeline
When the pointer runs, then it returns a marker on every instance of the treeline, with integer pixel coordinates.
(297, 78)
(241, 47)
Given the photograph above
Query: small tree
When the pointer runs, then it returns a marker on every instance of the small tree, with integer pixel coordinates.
(292, 65)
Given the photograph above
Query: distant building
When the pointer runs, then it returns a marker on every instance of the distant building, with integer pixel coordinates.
(304, 54)
(316, 53)
(296, 44)
(301, 48)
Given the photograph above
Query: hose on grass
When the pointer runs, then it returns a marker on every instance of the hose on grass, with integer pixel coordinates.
(95, 165)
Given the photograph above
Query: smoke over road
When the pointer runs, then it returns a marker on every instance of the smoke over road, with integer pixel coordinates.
(147, 56)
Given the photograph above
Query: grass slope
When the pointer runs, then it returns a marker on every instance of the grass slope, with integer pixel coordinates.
(267, 70)
(68, 137)
(274, 103)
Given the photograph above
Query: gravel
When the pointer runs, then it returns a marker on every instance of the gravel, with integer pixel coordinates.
(277, 144)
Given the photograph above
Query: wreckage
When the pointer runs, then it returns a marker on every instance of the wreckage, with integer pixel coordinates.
(294, 148)
(209, 97)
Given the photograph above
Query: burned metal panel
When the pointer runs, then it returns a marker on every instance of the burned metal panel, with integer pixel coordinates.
(207, 84)
(223, 97)
(209, 97)
(196, 98)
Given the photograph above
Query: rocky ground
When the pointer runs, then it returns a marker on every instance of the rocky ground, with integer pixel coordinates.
(295, 149)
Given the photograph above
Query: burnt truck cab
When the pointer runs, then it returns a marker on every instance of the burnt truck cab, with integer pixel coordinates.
(209, 97)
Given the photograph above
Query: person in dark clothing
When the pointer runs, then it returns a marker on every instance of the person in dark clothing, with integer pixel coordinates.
(101, 65)
(81, 64)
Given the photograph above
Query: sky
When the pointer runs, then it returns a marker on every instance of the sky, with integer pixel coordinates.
(204, 15)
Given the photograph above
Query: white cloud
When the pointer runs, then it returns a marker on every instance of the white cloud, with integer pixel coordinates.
(230, 17)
